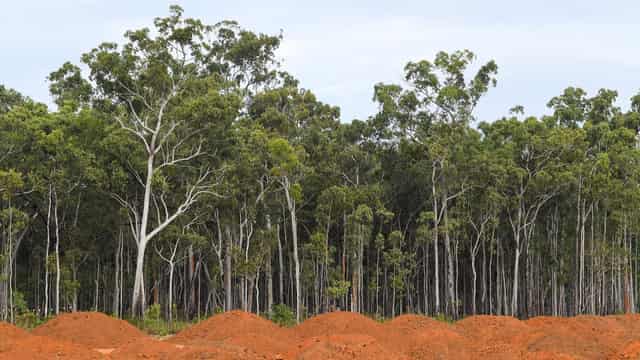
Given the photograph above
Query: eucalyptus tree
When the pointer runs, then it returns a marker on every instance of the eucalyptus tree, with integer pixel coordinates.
(434, 113)
(143, 85)
(286, 166)
(12, 223)
(533, 165)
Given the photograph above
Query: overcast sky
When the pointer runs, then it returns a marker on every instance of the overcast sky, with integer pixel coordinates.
(340, 49)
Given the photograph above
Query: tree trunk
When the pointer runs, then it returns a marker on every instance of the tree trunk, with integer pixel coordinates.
(138, 302)
(57, 233)
(294, 230)
(171, 270)
(281, 267)
(450, 269)
(268, 271)
(228, 303)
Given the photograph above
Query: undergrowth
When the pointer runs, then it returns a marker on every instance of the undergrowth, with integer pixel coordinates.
(154, 324)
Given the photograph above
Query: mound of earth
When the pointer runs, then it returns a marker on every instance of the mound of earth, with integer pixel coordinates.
(589, 337)
(237, 331)
(410, 323)
(146, 348)
(339, 323)
(433, 344)
(630, 325)
(91, 329)
(631, 351)
(341, 347)
(10, 332)
(44, 348)
(496, 331)
(336, 335)
(422, 337)
(495, 337)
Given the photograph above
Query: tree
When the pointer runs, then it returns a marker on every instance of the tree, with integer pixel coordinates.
(286, 167)
(143, 84)
(435, 114)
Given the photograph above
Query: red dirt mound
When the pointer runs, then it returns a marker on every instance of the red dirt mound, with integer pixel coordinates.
(629, 323)
(339, 323)
(337, 335)
(588, 337)
(410, 323)
(495, 337)
(433, 344)
(146, 348)
(631, 351)
(239, 331)
(341, 347)
(10, 332)
(486, 327)
(421, 337)
(43, 348)
(91, 329)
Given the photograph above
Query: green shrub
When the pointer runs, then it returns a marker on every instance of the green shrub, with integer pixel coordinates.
(154, 324)
(282, 315)
(444, 318)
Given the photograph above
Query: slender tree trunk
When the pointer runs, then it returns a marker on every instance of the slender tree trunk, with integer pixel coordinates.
(294, 230)
(57, 234)
(269, 272)
(9, 260)
(171, 270)
(97, 283)
(452, 302)
(436, 220)
(281, 267)
(46, 256)
(228, 304)
(138, 300)
(138, 304)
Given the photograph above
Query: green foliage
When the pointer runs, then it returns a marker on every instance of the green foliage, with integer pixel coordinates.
(444, 318)
(282, 315)
(338, 289)
(154, 324)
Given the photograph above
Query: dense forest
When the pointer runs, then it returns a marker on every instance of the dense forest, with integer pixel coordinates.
(187, 168)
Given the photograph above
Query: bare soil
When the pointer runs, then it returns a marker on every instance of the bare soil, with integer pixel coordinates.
(338, 335)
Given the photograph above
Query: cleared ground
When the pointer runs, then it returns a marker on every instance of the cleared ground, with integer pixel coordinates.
(338, 335)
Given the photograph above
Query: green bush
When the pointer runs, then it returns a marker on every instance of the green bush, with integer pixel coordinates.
(444, 318)
(282, 315)
(154, 324)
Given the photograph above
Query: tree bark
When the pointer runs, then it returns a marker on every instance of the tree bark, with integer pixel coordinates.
(294, 232)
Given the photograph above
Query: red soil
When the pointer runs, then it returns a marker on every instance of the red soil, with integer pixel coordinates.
(238, 332)
(338, 335)
(10, 332)
(41, 347)
(342, 347)
(339, 323)
(587, 337)
(146, 348)
(91, 329)
(16, 344)
(631, 351)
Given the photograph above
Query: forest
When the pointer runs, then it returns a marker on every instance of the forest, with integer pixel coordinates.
(186, 168)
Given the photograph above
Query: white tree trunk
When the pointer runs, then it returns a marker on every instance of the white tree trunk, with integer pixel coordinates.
(139, 299)
(171, 268)
(57, 233)
(46, 258)
(294, 230)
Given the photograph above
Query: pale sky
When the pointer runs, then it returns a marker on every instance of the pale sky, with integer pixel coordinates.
(340, 49)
